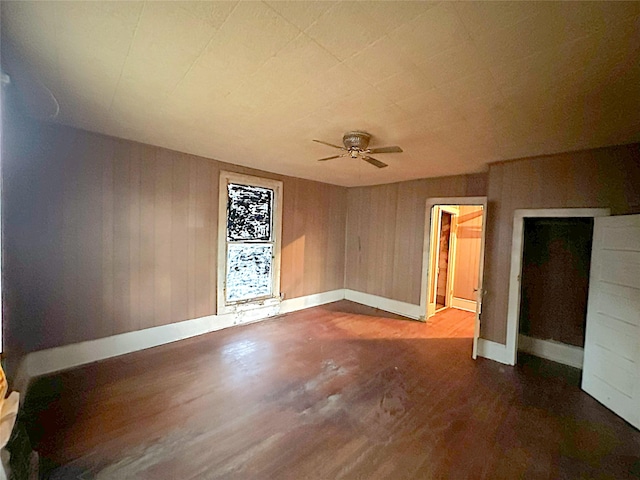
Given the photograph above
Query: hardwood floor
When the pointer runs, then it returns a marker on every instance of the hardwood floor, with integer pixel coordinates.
(338, 391)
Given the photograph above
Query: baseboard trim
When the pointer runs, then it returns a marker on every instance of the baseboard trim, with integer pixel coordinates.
(51, 360)
(463, 304)
(387, 304)
(551, 350)
(493, 351)
(308, 301)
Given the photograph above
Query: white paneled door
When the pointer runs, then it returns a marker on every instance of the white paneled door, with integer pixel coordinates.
(611, 371)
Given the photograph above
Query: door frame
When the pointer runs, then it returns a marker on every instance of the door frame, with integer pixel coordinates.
(517, 246)
(426, 257)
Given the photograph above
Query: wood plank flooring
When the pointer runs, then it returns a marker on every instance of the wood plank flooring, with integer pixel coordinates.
(338, 391)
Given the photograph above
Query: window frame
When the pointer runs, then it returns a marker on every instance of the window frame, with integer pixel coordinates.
(226, 178)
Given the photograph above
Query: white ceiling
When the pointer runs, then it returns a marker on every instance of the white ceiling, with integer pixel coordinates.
(456, 85)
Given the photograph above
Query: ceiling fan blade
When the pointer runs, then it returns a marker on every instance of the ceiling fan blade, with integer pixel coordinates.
(393, 149)
(329, 158)
(330, 144)
(374, 162)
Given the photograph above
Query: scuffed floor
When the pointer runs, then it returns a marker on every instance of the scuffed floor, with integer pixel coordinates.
(340, 391)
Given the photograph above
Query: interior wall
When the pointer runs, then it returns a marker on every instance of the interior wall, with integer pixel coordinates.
(600, 178)
(468, 243)
(105, 236)
(385, 233)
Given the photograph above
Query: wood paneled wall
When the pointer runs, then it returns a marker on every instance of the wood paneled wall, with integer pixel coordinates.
(604, 177)
(105, 236)
(314, 221)
(468, 243)
(385, 233)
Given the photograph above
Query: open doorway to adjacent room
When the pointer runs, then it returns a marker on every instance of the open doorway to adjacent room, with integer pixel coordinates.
(454, 252)
(456, 235)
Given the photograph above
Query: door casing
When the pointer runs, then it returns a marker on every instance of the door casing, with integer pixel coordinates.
(426, 256)
(517, 245)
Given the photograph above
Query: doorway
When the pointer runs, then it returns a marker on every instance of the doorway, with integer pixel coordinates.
(443, 275)
(453, 257)
(612, 334)
(556, 260)
(549, 347)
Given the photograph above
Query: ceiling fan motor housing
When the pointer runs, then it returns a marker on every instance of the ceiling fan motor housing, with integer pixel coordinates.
(356, 140)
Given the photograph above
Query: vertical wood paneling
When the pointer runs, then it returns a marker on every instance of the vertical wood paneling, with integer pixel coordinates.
(213, 235)
(147, 238)
(313, 241)
(179, 239)
(134, 237)
(106, 325)
(162, 238)
(605, 177)
(121, 239)
(288, 240)
(386, 234)
(403, 239)
(313, 236)
(49, 245)
(70, 206)
(107, 236)
(204, 222)
(336, 236)
(491, 249)
(90, 237)
(191, 239)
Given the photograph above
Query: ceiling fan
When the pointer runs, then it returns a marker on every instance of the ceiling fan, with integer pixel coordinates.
(356, 145)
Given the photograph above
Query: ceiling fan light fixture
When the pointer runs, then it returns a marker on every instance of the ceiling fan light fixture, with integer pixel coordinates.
(356, 145)
(358, 140)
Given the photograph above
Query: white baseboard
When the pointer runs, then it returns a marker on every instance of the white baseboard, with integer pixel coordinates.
(308, 301)
(51, 360)
(554, 351)
(463, 304)
(494, 351)
(388, 305)
(44, 362)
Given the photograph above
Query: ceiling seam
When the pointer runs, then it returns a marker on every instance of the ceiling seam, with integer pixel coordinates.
(303, 32)
(133, 38)
(57, 38)
(204, 49)
(472, 40)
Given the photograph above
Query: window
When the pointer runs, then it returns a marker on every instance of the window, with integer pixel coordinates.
(249, 241)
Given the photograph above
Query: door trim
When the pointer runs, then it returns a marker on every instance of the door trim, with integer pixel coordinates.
(426, 257)
(517, 244)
